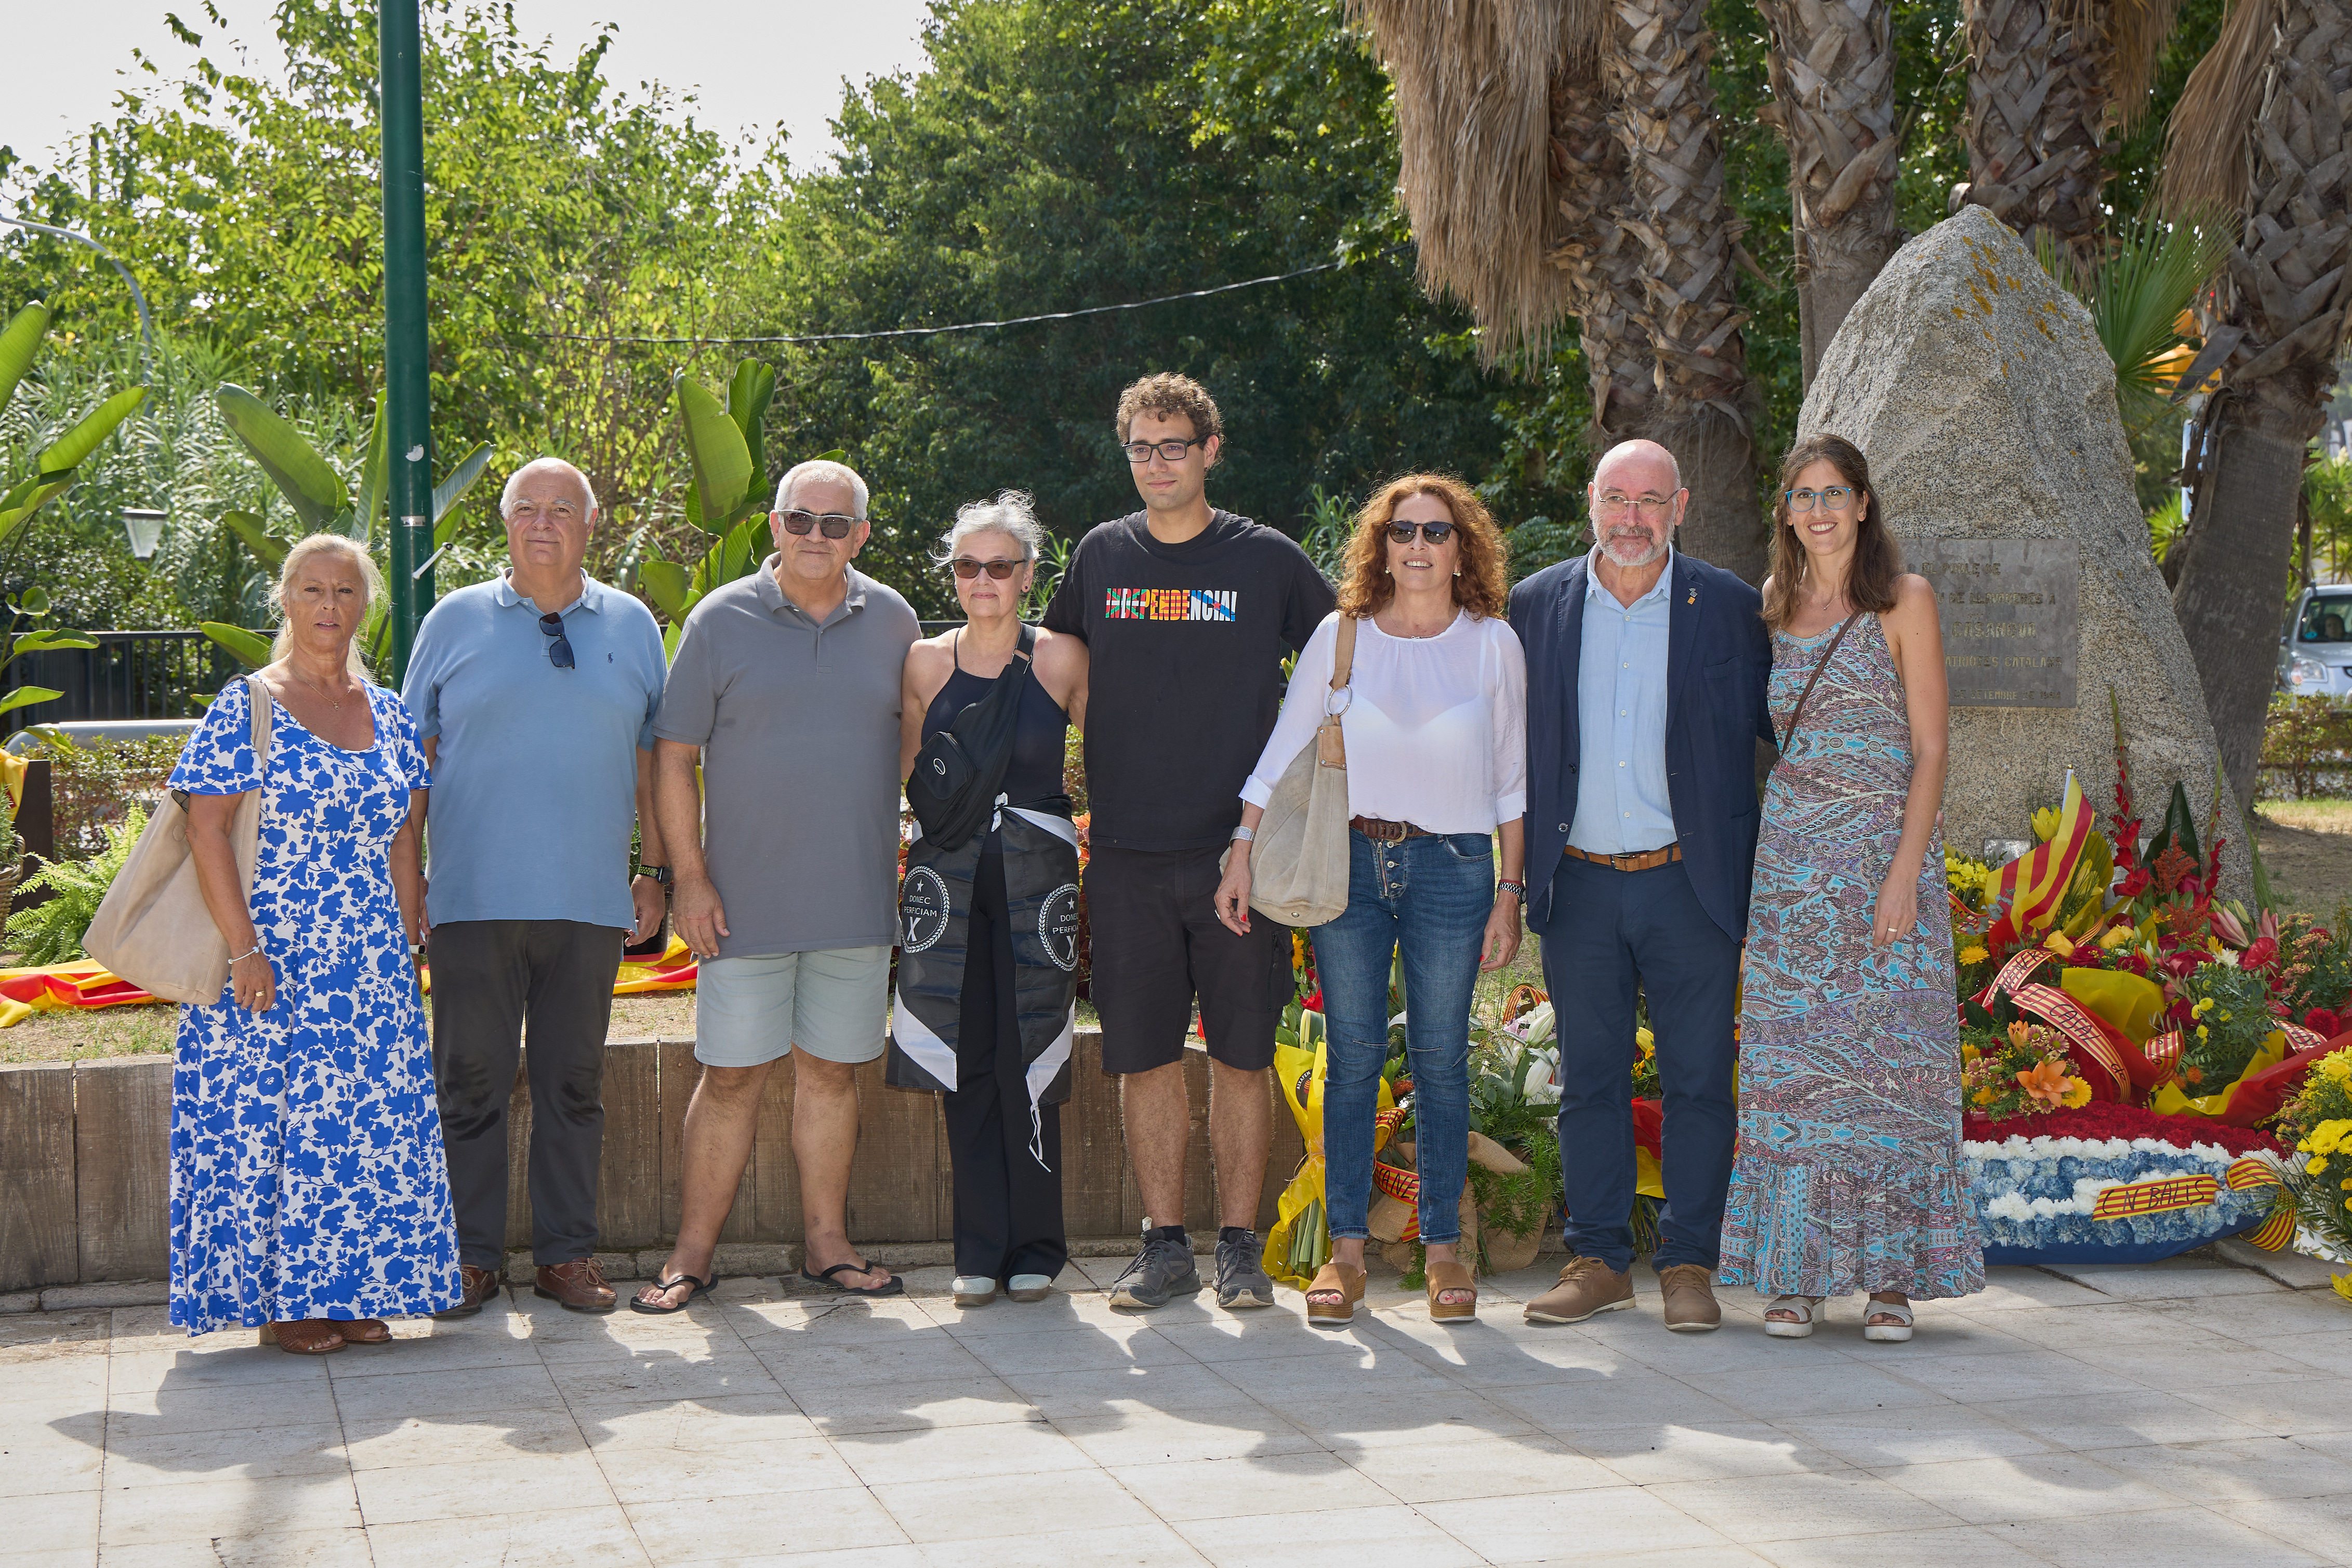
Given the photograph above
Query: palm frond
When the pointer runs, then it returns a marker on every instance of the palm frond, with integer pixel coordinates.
(2140, 293)
(2205, 163)
(2137, 31)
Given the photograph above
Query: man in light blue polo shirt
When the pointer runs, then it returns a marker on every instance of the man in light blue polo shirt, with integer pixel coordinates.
(535, 695)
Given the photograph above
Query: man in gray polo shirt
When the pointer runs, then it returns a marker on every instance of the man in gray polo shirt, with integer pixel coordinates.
(785, 687)
(534, 694)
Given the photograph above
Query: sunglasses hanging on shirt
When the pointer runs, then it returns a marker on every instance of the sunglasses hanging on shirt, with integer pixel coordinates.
(559, 651)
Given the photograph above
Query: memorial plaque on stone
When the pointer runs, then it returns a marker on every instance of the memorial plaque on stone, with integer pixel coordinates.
(2010, 611)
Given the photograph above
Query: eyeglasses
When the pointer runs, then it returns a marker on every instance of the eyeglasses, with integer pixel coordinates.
(554, 511)
(833, 524)
(559, 651)
(1836, 498)
(1139, 452)
(1436, 533)
(1614, 505)
(963, 566)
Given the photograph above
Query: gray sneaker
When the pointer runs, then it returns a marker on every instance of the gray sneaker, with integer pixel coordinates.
(1241, 1280)
(1163, 1268)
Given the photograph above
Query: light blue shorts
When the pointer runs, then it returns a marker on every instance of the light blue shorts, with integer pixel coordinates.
(833, 1003)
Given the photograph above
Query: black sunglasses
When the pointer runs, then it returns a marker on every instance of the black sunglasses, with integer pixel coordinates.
(558, 652)
(832, 524)
(963, 566)
(1436, 533)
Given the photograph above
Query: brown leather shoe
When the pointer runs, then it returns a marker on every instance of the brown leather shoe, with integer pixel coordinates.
(364, 1331)
(1587, 1286)
(1691, 1306)
(579, 1285)
(475, 1287)
(303, 1336)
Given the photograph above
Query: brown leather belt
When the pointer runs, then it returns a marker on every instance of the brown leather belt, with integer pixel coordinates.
(1386, 833)
(1648, 860)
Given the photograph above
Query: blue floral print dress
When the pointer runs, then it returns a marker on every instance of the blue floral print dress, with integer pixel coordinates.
(308, 1177)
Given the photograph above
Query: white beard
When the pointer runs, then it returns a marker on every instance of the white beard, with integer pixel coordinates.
(1647, 548)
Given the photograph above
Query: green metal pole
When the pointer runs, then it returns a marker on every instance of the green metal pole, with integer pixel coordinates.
(407, 389)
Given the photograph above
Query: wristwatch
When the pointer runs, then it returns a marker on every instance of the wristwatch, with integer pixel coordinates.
(1245, 833)
(660, 873)
(1517, 890)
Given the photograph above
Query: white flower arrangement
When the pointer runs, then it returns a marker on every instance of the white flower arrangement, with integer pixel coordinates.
(2041, 1192)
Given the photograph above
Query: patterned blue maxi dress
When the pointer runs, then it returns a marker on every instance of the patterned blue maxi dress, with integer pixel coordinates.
(308, 1178)
(1848, 1175)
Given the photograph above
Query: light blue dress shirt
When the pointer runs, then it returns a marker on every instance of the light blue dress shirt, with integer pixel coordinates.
(535, 774)
(1622, 806)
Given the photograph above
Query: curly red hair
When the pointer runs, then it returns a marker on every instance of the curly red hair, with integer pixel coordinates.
(1365, 586)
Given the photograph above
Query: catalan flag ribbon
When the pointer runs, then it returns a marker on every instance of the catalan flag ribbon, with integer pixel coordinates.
(2028, 890)
(2156, 1197)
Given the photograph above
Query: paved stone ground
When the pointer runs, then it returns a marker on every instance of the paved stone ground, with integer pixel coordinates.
(2192, 1414)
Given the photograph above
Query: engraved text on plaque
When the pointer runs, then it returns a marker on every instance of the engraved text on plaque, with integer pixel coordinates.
(2010, 611)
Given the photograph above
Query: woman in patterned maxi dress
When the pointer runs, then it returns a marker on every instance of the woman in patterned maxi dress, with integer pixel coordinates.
(1848, 1174)
(310, 1192)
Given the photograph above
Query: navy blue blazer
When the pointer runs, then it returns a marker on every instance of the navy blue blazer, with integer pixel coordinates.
(1718, 661)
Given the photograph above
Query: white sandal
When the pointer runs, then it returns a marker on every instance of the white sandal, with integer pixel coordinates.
(1897, 1331)
(1801, 1305)
(1029, 1286)
(974, 1290)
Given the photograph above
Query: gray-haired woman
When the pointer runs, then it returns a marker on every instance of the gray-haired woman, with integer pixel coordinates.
(987, 976)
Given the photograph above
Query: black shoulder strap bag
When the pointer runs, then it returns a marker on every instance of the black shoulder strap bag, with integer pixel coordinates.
(960, 769)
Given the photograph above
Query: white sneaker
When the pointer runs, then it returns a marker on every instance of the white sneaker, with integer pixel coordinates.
(974, 1290)
(1029, 1286)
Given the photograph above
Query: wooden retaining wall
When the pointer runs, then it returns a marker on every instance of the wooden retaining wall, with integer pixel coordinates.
(84, 1173)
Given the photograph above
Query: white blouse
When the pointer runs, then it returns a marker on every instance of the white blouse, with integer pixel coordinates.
(1436, 727)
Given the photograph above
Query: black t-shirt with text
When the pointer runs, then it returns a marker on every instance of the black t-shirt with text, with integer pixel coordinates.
(1187, 642)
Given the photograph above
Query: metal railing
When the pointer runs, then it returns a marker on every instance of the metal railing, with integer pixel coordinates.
(130, 674)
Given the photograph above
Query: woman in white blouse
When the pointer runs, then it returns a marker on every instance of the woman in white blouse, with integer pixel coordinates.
(1436, 741)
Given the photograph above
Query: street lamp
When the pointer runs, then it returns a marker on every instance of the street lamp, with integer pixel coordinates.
(145, 528)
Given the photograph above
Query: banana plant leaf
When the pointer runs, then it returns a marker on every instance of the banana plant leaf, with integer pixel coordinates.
(26, 696)
(29, 496)
(266, 547)
(665, 582)
(250, 649)
(718, 456)
(375, 473)
(310, 487)
(19, 341)
(451, 490)
(749, 393)
(67, 451)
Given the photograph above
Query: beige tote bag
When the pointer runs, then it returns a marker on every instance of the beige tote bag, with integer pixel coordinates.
(154, 929)
(1298, 863)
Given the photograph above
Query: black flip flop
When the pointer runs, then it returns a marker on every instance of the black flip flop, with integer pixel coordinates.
(896, 1286)
(702, 1288)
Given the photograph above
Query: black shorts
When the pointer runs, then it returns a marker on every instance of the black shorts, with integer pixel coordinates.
(1158, 944)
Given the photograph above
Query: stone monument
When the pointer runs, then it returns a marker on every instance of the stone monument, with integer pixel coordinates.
(1987, 408)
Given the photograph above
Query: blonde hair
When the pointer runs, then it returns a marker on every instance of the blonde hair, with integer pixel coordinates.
(370, 577)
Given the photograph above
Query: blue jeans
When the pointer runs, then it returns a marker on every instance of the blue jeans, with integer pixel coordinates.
(1429, 897)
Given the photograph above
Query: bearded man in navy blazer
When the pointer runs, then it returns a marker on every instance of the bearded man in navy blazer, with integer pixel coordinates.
(1646, 672)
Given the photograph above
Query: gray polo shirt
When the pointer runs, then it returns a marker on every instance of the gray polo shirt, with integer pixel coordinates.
(799, 725)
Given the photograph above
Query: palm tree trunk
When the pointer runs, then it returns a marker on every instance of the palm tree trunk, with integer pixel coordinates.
(1600, 262)
(2039, 101)
(2287, 301)
(1656, 65)
(1832, 72)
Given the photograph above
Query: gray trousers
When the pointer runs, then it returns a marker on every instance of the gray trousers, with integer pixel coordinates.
(491, 978)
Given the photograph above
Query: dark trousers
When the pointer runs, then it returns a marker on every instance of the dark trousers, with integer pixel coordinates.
(491, 978)
(1008, 1194)
(1611, 930)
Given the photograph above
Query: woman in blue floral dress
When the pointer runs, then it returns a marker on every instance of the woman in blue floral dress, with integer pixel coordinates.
(309, 1193)
(1849, 1174)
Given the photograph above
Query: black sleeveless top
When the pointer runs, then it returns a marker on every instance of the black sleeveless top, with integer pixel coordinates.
(1035, 770)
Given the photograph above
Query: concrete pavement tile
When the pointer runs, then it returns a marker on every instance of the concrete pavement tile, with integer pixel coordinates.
(2180, 1538)
(1182, 1385)
(2172, 1278)
(691, 1529)
(1723, 1556)
(50, 1379)
(61, 1521)
(1058, 1313)
(2015, 1285)
(902, 1555)
(2292, 1409)
(519, 1483)
(2317, 1524)
(661, 1375)
(1106, 1349)
(824, 1316)
(1007, 1448)
(2043, 1487)
(25, 1330)
(2189, 1366)
(137, 1516)
(644, 1474)
(1979, 1379)
(449, 1350)
(478, 1392)
(1269, 1337)
(1964, 1547)
(1236, 1431)
(841, 1409)
(1372, 1420)
(2258, 1322)
(698, 1426)
(254, 1453)
(2327, 1352)
(1874, 1439)
(40, 1469)
(1281, 1484)
(2114, 1420)
(2248, 1471)
(1129, 1546)
(1370, 1371)
(1649, 1454)
(977, 1510)
(798, 1365)
(1822, 1388)
(1629, 1399)
(1480, 1356)
(1498, 1467)
(627, 1335)
(1753, 1510)
(237, 1364)
(1579, 1526)
(382, 1442)
(308, 1403)
(597, 1536)
(1333, 1538)
(343, 1548)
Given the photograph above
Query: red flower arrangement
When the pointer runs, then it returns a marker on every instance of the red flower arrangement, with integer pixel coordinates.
(2110, 1119)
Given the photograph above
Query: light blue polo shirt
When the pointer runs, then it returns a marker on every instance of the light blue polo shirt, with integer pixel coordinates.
(535, 769)
(1620, 709)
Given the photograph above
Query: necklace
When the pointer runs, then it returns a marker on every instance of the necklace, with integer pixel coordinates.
(332, 701)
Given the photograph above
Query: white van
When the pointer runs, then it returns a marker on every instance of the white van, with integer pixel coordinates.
(2316, 652)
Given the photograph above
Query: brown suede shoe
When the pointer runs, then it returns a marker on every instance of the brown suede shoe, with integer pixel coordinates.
(579, 1285)
(1586, 1286)
(475, 1286)
(1691, 1306)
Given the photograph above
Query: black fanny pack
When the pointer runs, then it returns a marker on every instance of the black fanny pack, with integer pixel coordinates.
(960, 769)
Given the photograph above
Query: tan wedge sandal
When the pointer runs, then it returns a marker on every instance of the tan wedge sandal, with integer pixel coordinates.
(364, 1331)
(1335, 1278)
(1443, 1277)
